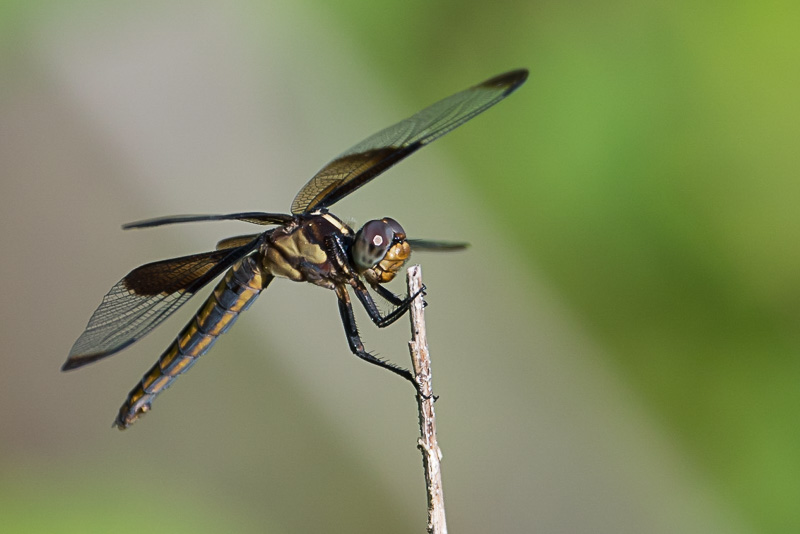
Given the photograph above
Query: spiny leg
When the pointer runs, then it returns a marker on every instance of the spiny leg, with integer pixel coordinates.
(396, 299)
(354, 340)
(388, 295)
(367, 301)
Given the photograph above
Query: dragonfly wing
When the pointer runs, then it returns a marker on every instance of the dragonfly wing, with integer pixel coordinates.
(375, 154)
(144, 298)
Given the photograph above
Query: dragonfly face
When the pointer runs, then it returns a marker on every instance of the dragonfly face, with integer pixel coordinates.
(380, 250)
(308, 245)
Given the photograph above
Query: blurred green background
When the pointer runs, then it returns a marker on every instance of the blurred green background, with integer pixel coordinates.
(617, 352)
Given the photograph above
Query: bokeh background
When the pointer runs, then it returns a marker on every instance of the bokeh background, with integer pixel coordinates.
(617, 352)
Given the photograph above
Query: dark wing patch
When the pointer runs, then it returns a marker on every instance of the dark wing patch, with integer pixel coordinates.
(144, 298)
(236, 241)
(375, 154)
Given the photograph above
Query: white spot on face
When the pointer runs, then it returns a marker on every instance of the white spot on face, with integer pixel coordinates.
(377, 240)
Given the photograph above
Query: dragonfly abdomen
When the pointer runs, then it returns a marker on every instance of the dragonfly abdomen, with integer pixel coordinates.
(233, 295)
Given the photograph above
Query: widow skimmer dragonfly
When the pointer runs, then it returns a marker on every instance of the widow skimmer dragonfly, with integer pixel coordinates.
(308, 245)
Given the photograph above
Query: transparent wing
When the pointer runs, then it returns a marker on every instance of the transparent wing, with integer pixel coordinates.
(375, 154)
(254, 217)
(144, 298)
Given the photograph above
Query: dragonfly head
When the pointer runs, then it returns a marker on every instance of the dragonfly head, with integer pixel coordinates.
(380, 249)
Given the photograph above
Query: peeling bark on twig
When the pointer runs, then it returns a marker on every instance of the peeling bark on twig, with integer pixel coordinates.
(428, 444)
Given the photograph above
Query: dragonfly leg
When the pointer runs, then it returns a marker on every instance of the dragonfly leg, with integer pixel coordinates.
(395, 299)
(367, 301)
(336, 248)
(354, 340)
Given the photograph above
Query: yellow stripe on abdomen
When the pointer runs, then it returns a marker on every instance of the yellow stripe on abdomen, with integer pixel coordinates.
(233, 295)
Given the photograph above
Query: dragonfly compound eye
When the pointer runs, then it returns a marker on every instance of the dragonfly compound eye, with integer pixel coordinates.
(372, 243)
(380, 250)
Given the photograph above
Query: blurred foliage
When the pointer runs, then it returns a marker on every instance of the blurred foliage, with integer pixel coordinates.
(23, 491)
(651, 170)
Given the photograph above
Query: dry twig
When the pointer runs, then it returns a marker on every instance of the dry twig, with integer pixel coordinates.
(428, 444)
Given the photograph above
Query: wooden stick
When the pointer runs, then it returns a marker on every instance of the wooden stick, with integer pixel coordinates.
(427, 444)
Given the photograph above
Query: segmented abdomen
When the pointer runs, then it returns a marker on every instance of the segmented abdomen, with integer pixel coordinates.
(233, 295)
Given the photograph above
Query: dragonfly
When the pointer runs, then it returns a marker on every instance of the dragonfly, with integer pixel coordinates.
(310, 244)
